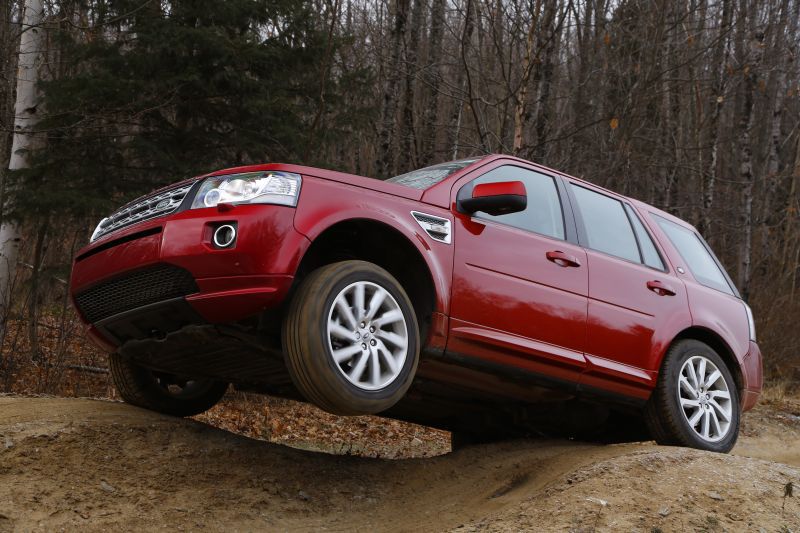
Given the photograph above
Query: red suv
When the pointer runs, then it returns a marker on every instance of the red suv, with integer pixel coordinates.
(479, 294)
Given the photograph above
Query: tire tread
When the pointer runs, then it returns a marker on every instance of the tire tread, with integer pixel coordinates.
(662, 416)
(300, 353)
(136, 386)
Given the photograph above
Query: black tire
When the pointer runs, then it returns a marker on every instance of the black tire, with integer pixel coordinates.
(307, 351)
(664, 415)
(163, 393)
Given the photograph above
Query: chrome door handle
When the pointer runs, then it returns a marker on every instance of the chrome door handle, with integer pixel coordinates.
(563, 259)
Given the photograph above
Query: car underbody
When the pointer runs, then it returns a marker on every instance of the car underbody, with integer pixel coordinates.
(451, 392)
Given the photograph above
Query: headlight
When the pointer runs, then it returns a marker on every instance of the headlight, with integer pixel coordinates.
(751, 324)
(281, 188)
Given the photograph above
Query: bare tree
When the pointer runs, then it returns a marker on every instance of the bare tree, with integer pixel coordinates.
(26, 114)
(386, 139)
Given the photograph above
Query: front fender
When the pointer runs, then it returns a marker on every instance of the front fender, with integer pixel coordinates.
(325, 203)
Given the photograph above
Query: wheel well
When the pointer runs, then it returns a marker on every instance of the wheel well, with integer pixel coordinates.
(378, 243)
(718, 345)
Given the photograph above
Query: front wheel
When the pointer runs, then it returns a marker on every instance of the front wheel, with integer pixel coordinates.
(351, 340)
(162, 392)
(696, 401)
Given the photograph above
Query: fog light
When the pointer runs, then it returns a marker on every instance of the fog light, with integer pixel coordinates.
(224, 235)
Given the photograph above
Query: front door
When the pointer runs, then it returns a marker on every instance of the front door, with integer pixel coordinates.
(519, 287)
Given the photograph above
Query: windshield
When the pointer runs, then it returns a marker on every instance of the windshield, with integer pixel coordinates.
(429, 176)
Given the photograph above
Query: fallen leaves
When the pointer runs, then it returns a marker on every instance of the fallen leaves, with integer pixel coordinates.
(304, 426)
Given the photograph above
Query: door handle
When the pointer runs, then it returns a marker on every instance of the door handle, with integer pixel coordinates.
(563, 260)
(660, 288)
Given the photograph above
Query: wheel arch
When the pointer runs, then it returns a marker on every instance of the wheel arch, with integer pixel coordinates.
(398, 254)
(719, 345)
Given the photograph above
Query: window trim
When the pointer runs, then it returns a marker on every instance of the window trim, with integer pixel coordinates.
(583, 237)
(570, 232)
(631, 212)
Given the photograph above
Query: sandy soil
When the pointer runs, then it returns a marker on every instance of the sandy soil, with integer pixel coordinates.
(96, 466)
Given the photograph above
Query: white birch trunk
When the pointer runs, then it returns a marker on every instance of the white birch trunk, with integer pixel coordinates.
(31, 46)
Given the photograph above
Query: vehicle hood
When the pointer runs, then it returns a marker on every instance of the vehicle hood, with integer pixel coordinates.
(341, 177)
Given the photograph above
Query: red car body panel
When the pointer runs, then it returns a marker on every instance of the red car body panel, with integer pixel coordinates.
(501, 298)
(324, 203)
(510, 304)
(234, 283)
(712, 310)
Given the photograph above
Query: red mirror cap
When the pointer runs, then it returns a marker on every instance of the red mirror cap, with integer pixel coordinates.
(499, 188)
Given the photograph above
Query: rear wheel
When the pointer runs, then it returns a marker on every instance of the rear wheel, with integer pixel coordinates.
(696, 401)
(351, 339)
(162, 392)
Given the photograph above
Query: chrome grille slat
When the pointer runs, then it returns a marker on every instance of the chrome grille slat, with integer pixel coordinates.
(144, 208)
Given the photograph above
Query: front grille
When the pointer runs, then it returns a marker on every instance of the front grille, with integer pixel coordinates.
(144, 208)
(143, 287)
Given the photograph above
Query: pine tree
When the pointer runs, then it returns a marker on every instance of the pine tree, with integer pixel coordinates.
(151, 96)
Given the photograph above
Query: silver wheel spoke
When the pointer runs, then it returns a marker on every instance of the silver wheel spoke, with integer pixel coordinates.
(685, 402)
(375, 368)
(701, 372)
(375, 303)
(705, 398)
(705, 426)
(358, 298)
(393, 338)
(344, 309)
(340, 332)
(692, 376)
(695, 417)
(687, 387)
(367, 355)
(345, 354)
(715, 375)
(718, 409)
(390, 317)
(715, 423)
(358, 369)
(387, 356)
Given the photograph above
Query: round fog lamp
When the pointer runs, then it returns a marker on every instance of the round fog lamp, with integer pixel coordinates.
(224, 235)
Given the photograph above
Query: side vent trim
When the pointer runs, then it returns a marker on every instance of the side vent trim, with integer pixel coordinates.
(437, 228)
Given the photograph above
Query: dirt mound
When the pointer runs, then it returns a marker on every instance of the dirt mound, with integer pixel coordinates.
(92, 465)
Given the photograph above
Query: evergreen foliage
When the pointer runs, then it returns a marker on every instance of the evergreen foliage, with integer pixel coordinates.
(151, 94)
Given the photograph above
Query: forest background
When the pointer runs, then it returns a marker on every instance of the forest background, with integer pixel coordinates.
(691, 105)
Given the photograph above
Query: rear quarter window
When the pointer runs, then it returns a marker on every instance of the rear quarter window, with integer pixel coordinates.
(697, 255)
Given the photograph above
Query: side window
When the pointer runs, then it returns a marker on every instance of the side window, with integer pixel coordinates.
(607, 226)
(542, 215)
(646, 245)
(697, 255)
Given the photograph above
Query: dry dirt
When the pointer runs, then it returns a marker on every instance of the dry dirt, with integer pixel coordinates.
(90, 465)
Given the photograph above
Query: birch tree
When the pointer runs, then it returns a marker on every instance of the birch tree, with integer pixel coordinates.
(26, 114)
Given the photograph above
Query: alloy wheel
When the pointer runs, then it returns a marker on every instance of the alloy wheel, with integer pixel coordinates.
(367, 335)
(705, 398)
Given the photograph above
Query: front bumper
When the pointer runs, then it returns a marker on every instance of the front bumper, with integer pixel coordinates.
(163, 274)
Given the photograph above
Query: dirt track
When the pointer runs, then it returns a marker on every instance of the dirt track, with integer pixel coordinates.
(92, 465)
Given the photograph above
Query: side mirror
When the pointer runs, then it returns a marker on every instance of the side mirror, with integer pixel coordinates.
(499, 198)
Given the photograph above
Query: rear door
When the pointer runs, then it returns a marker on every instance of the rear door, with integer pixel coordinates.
(519, 286)
(633, 295)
